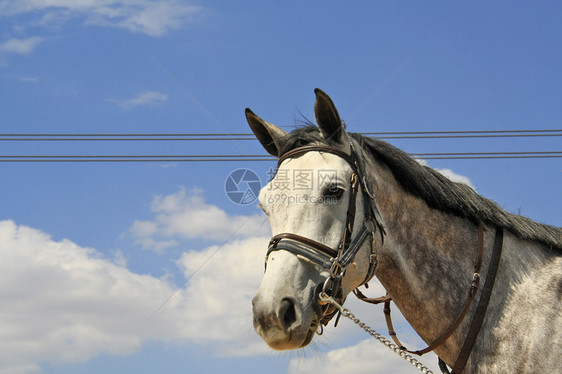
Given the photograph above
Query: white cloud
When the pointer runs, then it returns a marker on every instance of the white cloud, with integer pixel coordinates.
(146, 98)
(368, 356)
(185, 215)
(223, 289)
(20, 46)
(451, 175)
(456, 177)
(150, 17)
(22, 78)
(29, 79)
(64, 303)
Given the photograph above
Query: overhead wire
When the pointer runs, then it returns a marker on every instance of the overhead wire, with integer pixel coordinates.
(229, 158)
(50, 137)
(249, 136)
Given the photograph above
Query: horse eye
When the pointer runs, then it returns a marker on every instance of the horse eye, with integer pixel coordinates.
(333, 192)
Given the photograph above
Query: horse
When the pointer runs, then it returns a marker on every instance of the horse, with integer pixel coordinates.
(344, 208)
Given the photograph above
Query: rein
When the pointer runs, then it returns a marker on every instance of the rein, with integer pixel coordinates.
(336, 262)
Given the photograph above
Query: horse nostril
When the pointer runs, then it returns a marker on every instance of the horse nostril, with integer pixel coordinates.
(287, 313)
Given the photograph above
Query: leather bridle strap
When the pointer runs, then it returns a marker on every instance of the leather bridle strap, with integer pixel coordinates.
(317, 252)
(318, 148)
(335, 261)
(478, 318)
(350, 217)
(309, 242)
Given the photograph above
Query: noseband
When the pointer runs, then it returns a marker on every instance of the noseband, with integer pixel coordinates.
(335, 261)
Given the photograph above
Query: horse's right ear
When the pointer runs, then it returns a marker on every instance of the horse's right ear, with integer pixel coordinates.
(327, 118)
(270, 136)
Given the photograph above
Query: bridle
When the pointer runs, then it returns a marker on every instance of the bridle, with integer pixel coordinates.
(335, 261)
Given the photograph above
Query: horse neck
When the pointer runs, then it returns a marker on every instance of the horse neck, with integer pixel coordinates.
(427, 261)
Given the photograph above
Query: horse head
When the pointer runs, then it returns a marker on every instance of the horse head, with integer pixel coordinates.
(323, 218)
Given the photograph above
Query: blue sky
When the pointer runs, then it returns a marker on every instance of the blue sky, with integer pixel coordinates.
(94, 257)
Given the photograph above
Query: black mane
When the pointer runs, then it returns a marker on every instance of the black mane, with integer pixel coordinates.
(436, 190)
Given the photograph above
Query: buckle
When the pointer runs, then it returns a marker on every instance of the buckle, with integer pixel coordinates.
(273, 242)
(475, 283)
(353, 181)
(336, 268)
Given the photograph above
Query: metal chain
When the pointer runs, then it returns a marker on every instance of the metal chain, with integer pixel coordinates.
(324, 298)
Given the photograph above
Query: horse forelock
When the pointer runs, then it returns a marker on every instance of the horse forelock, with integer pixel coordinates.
(302, 136)
(436, 190)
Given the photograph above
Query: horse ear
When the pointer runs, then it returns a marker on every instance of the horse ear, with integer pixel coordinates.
(327, 117)
(270, 136)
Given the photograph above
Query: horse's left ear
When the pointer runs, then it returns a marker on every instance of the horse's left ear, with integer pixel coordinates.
(270, 136)
(327, 117)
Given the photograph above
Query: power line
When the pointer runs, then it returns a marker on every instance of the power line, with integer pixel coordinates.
(133, 158)
(248, 158)
(486, 155)
(249, 136)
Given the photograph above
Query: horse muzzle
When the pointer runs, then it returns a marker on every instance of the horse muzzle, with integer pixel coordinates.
(283, 324)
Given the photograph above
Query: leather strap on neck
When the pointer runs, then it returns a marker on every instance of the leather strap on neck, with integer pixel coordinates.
(470, 297)
(479, 314)
(471, 292)
(478, 318)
